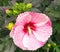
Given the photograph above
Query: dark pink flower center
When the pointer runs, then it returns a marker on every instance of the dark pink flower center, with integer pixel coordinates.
(29, 27)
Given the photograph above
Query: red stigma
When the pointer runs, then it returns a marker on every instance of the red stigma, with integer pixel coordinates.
(31, 25)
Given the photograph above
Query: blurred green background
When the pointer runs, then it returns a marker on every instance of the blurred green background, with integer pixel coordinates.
(49, 7)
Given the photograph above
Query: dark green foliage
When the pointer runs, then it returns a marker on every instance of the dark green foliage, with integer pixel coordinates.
(19, 1)
(53, 12)
(18, 50)
(1, 22)
(4, 3)
(4, 32)
(45, 4)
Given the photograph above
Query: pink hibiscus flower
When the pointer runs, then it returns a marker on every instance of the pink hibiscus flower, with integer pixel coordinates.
(31, 30)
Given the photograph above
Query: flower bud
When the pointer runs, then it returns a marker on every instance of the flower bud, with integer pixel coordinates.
(16, 4)
(8, 11)
(49, 45)
(9, 26)
(54, 44)
(15, 12)
(29, 5)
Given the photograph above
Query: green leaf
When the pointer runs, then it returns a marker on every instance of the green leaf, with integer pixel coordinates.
(4, 32)
(1, 22)
(57, 49)
(4, 3)
(7, 45)
(53, 10)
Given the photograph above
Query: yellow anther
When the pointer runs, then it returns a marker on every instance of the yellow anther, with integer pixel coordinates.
(29, 30)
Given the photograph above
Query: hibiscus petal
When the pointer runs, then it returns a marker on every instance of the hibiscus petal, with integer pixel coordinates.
(18, 36)
(23, 18)
(42, 33)
(48, 23)
(39, 18)
(12, 31)
(31, 42)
